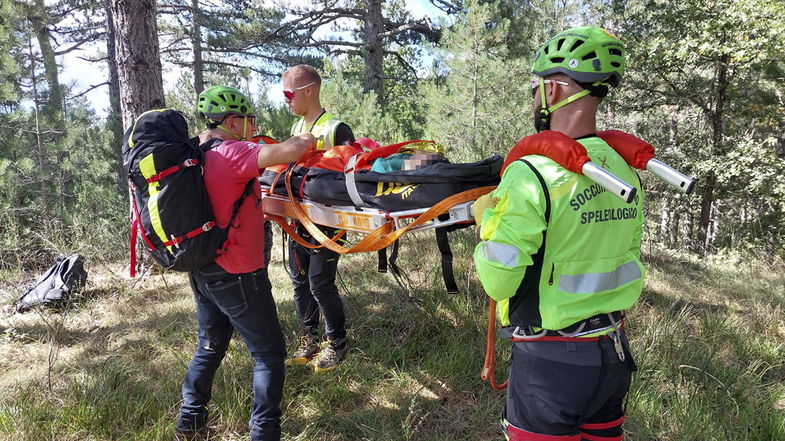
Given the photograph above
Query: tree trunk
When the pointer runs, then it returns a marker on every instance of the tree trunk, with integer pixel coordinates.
(707, 200)
(689, 221)
(662, 226)
(196, 42)
(115, 118)
(138, 60)
(42, 168)
(674, 231)
(373, 51)
(704, 242)
(53, 106)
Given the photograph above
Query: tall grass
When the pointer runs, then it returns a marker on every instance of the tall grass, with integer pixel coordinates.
(707, 337)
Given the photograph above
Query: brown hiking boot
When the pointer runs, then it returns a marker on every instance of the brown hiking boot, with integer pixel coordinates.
(332, 355)
(202, 434)
(309, 346)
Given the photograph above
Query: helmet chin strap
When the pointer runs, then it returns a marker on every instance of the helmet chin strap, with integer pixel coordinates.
(546, 112)
(231, 132)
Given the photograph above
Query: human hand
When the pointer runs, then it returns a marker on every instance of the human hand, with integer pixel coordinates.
(306, 141)
(480, 205)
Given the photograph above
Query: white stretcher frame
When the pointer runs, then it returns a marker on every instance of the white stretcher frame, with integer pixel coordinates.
(363, 220)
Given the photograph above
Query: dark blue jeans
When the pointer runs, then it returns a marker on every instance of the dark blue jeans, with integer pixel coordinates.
(225, 302)
(313, 276)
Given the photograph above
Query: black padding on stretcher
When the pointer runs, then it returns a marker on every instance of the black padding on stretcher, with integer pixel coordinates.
(382, 265)
(396, 191)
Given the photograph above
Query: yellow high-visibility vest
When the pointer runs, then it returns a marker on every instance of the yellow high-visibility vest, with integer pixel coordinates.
(323, 129)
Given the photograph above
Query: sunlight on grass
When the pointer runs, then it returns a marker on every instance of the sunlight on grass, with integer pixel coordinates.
(707, 336)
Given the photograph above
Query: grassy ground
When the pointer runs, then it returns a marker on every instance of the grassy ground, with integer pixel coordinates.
(707, 335)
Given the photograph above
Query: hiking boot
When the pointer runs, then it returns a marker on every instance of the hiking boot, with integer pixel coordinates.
(332, 355)
(201, 434)
(309, 346)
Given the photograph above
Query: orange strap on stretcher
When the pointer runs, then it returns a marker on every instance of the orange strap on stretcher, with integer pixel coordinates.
(380, 238)
(490, 350)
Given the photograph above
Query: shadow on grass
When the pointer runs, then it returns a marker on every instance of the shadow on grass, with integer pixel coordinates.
(413, 371)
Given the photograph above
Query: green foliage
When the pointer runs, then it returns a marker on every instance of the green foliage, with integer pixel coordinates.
(229, 37)
(271, 119)
(479, 97)
(345, 99)
(709, 70)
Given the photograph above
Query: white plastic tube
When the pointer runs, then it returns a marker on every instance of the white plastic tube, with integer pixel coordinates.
(610, 182)
(672, 176)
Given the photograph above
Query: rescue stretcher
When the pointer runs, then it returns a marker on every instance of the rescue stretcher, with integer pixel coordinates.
(384, 227)
(364, 220)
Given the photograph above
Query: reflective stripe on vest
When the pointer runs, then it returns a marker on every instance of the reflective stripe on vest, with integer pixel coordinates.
(599, 282)
(500, 253)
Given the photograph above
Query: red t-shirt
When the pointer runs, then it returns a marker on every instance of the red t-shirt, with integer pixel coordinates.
(227, 169)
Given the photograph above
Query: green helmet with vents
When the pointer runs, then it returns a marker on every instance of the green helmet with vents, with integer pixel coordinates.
(585, 54)
(218, 101)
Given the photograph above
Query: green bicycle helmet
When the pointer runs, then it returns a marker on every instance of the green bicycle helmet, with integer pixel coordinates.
(218, 101)
(586, 54)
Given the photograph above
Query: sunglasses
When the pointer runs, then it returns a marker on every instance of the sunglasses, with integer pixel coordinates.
(250, 118)
(536, 83)
(289, 93)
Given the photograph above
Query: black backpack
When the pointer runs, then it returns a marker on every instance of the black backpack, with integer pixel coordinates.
(170, 202)
(65, 277)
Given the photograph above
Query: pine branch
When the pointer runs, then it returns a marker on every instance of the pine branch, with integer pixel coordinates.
(93, 60)
(90, 89)
(403, 62)
(421, 27)
(79, 43)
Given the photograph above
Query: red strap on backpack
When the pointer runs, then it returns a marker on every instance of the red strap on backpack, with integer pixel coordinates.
(171, 170)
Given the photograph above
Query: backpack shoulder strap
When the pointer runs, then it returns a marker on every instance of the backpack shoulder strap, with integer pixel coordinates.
(544, 186)
(209, 144)
(247, 192)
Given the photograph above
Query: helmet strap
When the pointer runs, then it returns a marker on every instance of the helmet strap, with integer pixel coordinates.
(570, 99)
(545, 111)
(229, 131)
(544, 122)
(577, 96)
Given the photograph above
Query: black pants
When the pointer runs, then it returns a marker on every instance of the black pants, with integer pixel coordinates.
(313, 276)
(567, 389)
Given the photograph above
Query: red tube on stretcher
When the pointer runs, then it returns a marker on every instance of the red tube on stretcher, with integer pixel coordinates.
(640, 154)
(571, 155)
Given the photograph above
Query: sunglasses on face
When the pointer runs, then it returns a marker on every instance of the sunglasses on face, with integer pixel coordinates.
(536, 83)
(250, 118)
(289, 93)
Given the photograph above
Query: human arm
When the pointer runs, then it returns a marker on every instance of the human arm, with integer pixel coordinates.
(290, 150)
(511, 233)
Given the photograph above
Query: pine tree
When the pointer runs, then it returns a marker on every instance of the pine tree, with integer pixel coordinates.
(479, 99)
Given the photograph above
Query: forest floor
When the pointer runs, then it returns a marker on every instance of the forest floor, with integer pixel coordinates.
(708, 337)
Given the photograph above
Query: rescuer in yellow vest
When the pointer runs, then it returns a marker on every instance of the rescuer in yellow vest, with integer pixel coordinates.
(562, 256)
(313, 271)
